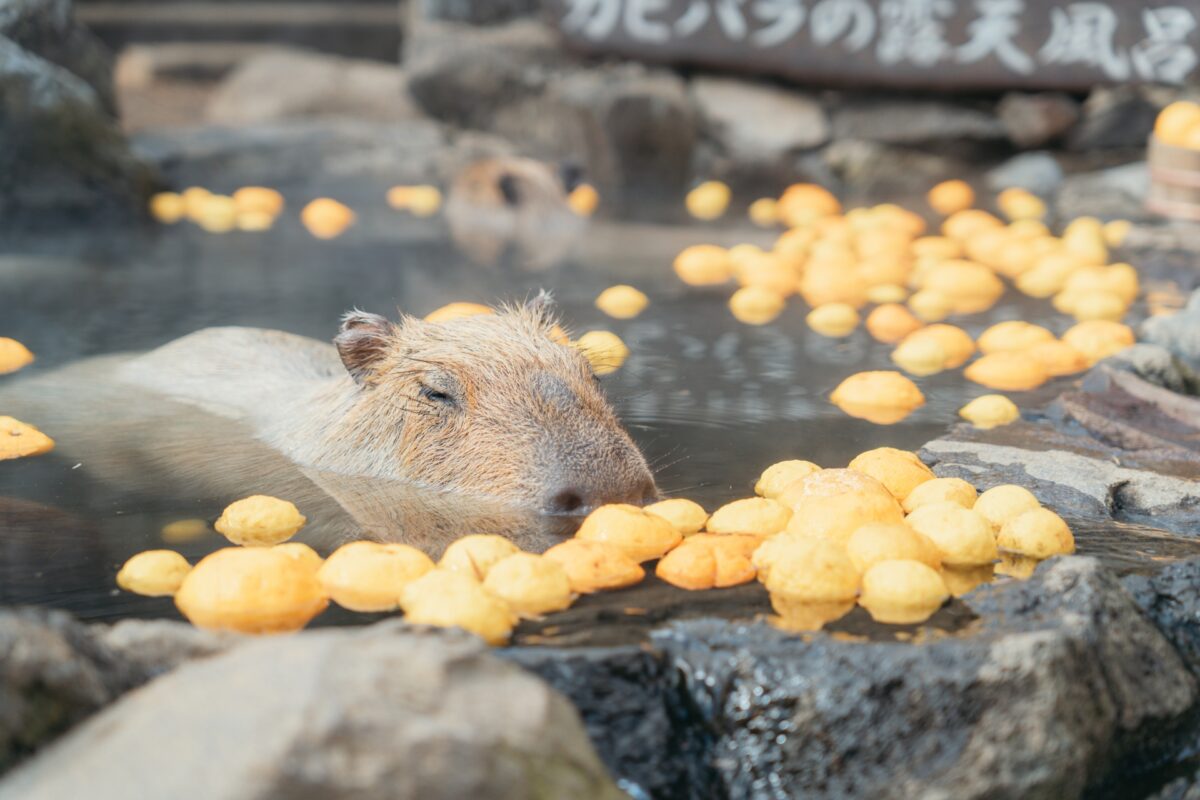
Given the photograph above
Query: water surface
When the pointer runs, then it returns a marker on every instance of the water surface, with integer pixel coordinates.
(711, 401)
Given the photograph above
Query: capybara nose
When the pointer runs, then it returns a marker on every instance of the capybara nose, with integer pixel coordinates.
(578, 499)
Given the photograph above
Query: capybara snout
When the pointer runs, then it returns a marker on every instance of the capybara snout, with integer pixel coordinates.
(581, 478)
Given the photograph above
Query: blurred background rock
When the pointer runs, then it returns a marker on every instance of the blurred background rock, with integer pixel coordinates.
(61, 149)
(337, 75)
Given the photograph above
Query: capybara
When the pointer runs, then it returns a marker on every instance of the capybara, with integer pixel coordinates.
(515, 182)
(516, 206)
(485, 405)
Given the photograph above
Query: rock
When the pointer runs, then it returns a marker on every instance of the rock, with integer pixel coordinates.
(1171, 599)
(1062, 676)
(1035, 120)
(643, 131)
(463, 74)
(1156, 239)
(1179, 333)
(758, 123)
(141, 65)
(1114, 117)
(317, 156)
(1136, 461)
(62, 156)
(1115, 193)
(1159, 366)
(868, 169)
(633, 129)
(287, 84)
(1038, 172)
(1122, 409)
(47, 28)
(1179, 789)
(912, 121)
(53, 674)
(637, 713)
(378, 712)
(152, 647)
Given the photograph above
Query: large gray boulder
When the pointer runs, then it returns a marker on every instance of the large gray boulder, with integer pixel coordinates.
(47, 28)
(463, 74)
(61, 155)
(756, 123)
(285, 84)
(53, 674)
(380, 712)
(1060, 678)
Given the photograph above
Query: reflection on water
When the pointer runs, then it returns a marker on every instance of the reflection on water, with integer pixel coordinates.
(710, 401)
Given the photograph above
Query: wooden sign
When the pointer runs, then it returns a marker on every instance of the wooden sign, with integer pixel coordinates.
(957, 44)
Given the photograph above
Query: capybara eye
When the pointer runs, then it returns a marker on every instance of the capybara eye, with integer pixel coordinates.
(436, 396)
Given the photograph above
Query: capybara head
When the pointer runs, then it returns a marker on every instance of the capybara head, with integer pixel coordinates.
(514, 209)
(513, 182)
(493, 404)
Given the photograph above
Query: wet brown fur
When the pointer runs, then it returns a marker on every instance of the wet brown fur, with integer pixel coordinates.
(486, 405)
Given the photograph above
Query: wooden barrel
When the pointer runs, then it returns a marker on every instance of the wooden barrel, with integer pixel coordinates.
(1174, 181)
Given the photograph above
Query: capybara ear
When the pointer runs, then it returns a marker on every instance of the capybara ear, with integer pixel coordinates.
(541, 303)
(362, 341)
(541, 309)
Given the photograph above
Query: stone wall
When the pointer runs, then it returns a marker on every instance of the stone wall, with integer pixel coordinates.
(62, 155)
(1063, 685)
(646, 132)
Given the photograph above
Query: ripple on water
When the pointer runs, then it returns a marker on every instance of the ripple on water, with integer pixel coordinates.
(711, 401)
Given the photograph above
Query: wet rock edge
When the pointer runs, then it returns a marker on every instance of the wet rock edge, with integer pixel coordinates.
(1068, 681)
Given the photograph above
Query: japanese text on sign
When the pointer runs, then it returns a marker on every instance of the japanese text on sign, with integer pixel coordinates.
(1116, 41)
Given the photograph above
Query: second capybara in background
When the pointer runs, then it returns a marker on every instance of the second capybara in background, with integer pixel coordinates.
(508, 204)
